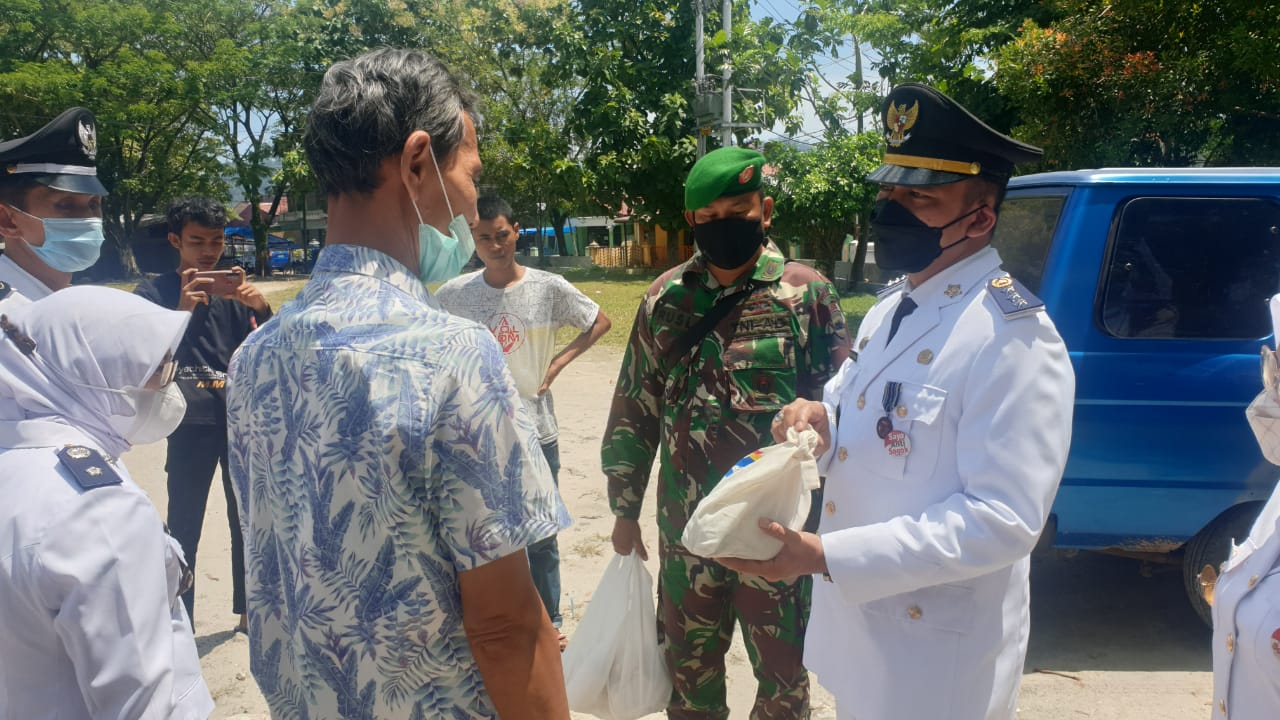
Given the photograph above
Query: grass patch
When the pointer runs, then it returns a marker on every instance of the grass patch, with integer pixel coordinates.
(855, 308)
(617, 292)
(589, 547)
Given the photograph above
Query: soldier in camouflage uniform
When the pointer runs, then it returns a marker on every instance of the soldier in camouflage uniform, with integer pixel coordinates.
(703, 411)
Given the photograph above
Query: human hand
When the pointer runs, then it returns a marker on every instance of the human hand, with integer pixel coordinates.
(801, 554)
(248, 294)
(553, 371)
(194, 290)
(626, 537)
(803, 415)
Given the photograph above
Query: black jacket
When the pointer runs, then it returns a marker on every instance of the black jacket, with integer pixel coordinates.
(214, 333)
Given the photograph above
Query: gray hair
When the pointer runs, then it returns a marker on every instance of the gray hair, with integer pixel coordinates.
(367, 107)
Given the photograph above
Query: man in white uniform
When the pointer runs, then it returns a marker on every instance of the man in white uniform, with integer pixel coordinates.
(945, 438)
(1246, 599)
(50, 205)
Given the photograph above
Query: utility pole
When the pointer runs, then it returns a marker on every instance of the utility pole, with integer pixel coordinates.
(700, 65)
(726, 120)
(857, 69)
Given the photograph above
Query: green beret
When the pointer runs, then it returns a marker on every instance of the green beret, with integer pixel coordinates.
(722, 173)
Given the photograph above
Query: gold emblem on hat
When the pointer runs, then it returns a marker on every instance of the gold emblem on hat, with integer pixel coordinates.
(1001, 282)
(898, 120)
(953, 291)
(89, 140)
(744, 177)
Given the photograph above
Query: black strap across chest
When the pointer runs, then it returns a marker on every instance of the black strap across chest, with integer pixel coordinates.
(696, 334)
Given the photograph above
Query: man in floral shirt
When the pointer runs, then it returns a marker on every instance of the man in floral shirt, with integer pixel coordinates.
(388, 475)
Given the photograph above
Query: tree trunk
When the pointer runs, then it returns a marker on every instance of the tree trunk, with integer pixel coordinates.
(857, 274)
(557, 224)
(261, 251)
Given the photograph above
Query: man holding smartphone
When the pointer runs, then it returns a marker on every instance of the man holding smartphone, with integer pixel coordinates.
(224, 309)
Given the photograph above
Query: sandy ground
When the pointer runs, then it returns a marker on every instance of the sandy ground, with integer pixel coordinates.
(1106, 641)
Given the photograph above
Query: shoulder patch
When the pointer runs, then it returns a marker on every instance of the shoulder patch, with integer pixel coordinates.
(892, 287)
(88, 467)
(5, 290)
(1014, 299)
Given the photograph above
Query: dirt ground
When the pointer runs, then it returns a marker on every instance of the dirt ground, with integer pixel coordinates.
(1106, 641)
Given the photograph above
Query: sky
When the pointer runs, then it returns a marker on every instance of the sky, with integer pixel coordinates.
(834, 69)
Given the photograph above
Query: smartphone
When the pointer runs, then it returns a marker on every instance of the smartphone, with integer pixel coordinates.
(225, 282)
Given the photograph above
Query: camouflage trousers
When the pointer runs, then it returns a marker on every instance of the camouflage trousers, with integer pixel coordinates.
(699, 601)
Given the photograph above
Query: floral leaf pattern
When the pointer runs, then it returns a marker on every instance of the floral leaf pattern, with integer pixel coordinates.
(378, 448)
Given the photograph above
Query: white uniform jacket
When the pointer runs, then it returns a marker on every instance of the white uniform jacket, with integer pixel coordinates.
(91, 623)
(21, 281)
(1246, 624)
(928, 613)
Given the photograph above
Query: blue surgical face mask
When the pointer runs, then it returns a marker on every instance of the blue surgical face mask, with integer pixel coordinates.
(440, 256)
(70, 244)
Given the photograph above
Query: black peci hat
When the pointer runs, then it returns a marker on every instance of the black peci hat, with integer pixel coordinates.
(932, 140)
(61, 155)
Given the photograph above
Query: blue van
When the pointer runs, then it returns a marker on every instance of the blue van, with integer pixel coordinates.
(1159, 281)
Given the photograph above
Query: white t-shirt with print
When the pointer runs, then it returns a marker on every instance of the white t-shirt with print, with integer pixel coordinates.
(524, 318)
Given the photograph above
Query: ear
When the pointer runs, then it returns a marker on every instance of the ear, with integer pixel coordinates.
(8, 228)
(982, 222)
(766, 212)
(688, 216)
(175, 241)
(416, 163)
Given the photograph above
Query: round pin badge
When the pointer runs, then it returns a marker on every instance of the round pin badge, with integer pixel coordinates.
(897, 444)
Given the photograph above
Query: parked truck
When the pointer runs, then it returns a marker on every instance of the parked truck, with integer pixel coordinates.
(1158, 281)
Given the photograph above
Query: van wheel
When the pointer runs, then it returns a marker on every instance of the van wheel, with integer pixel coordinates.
(1211, 546)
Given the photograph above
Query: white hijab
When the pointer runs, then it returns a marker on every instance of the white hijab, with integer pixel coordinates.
(86, 337)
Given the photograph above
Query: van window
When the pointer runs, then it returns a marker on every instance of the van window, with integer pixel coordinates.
(1192, 268)
(1024, 233)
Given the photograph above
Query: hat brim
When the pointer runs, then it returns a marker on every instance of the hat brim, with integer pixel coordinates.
(914, 177)
(80, 184)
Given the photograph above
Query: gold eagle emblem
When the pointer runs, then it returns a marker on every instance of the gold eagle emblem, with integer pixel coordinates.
(898, 120)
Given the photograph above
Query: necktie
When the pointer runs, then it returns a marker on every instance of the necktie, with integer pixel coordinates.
(905, 308)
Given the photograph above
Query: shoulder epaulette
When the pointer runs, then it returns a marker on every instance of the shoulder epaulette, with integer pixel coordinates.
(1013, 298)
(892, 287)
(89, 468)
(5, 290)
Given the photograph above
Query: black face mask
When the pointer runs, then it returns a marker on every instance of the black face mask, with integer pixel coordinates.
(903, 242)
(729, 243)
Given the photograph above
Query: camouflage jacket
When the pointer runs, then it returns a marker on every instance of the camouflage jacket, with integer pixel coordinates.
(706, 410)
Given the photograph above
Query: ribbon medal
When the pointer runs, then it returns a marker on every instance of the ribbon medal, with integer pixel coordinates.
(896, 442)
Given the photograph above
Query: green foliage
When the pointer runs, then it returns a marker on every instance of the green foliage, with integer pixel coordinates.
(1152, 83)
(128, 61)
(588, 104)
(820, 194)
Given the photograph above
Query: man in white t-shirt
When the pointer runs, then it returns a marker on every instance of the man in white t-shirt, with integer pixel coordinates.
(524, 308)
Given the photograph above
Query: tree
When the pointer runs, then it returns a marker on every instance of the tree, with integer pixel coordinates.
(821, 195)
(128, 62)
(532, 157)
(256, 91)
(1150, 82)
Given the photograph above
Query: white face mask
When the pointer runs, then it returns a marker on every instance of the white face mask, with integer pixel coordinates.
(157, 413)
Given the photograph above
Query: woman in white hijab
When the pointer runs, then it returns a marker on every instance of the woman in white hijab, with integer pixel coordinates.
(1246, 597)
(92, 625)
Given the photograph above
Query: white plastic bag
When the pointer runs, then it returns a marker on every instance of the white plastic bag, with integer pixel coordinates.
(613, 667)
(1264, 412)
(773, 483)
